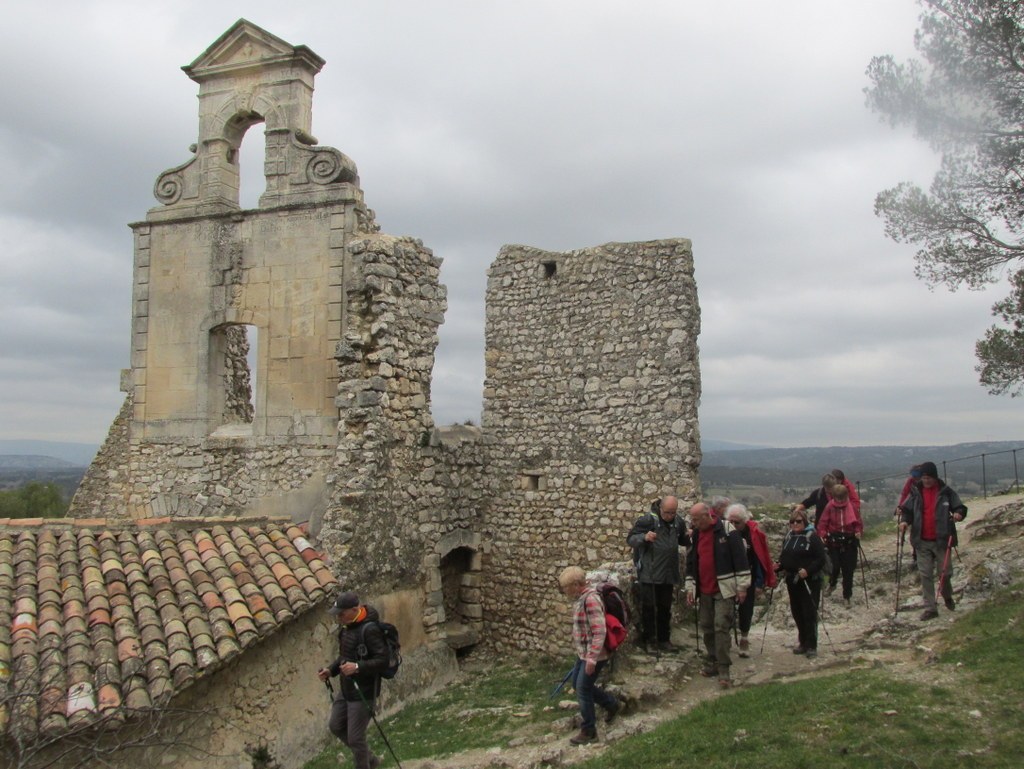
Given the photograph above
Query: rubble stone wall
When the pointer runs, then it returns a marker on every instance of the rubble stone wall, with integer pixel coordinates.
(590, 413)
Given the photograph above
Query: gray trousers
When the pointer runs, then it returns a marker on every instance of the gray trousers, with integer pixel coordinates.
(716, 618)
(930, 556)
(348, 723)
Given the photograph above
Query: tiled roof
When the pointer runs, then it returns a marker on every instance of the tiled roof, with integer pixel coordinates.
(99, 618)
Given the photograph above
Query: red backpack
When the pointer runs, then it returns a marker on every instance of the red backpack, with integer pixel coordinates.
(616, 615)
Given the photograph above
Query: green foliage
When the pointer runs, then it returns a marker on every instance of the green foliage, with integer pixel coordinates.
(1002, 349)
(33, 500)
(965, 100)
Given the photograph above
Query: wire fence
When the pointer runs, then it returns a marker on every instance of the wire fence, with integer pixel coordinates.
(994, 475)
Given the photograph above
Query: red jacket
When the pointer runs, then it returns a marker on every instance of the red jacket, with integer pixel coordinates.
(759, 541)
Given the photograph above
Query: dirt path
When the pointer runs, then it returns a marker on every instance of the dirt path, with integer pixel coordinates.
(868, 633)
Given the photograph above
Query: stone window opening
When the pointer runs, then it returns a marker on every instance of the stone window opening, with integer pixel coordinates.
(550, 268)
(533, 482)
(460, 593)
(250, 158)
(234, 376)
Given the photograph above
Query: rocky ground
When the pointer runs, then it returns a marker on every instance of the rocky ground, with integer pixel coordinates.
(870, 633)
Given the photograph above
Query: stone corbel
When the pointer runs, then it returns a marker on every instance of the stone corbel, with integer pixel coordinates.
(180, 183)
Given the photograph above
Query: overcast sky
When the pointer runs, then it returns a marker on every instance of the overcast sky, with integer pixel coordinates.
(555, 124)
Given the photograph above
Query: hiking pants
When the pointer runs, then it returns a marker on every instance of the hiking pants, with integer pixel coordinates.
(655, 612)
(716, 617)
(588, 692)
(746, 610)
(804, 606)
(844, 558)
(348, 723)
(930, 557)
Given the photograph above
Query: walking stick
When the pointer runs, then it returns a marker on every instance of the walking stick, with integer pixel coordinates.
(380, 729)
(899, 564)
(696, 622)
(767, 617)
(863, 578)
(945, 566)
(820, 619)
(565, 680)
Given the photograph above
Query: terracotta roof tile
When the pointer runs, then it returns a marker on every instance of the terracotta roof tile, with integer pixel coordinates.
(102, 614)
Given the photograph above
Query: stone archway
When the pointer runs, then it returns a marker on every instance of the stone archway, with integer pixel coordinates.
(456, 593)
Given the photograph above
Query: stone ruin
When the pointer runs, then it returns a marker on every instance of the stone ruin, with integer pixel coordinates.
(281, 363)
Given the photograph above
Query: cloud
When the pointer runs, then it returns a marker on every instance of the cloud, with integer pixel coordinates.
(557, 125)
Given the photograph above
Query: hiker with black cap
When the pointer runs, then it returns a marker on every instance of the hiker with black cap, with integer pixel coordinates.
(656, 538)
(931, 512)
(363, 655)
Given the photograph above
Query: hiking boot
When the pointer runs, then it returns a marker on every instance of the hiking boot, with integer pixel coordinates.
(950, 604)
(744, 647)
(811, 653)
(724, 683)
(613, 712)
(709, 671)
(848, 602)
(798, 649)
(928, 614)
(831, 588)
(584, 737)
(667, 646)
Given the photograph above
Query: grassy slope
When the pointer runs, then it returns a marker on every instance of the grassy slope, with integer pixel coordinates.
(963, 706)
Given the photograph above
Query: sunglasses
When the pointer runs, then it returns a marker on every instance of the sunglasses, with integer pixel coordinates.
(796, 520)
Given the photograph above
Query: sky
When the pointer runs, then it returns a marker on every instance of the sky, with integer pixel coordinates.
(560, 124)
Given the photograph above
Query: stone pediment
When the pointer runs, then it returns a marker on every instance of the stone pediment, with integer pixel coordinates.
(246, 45)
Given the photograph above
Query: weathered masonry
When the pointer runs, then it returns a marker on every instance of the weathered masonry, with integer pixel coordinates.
(281, 362)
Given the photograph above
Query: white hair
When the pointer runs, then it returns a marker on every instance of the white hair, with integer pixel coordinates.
(738, 510)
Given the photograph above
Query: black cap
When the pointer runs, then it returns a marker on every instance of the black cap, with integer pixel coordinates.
(343, 602)
(929, 469)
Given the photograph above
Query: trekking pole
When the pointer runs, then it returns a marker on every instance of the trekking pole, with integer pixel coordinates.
(945, 565)
(654, 608)
(767, 617)
(696, 621)
(330, 690)
(820, 620)
(863, 577)
(899, 563)
(568, 675)
(735, 622)
(380, 729)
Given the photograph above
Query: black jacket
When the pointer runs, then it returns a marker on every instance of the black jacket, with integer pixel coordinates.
(731, 565)
(947, 502)
(657, 562)
(817, 499)
(361, 642)
(803, 550)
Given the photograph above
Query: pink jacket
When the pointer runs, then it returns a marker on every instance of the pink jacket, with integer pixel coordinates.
(839, 518)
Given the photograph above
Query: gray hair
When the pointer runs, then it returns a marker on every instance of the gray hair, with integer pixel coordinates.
(720, 503)
(740, 511)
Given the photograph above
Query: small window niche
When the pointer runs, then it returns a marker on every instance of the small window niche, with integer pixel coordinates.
(550, 269)
(533, 481)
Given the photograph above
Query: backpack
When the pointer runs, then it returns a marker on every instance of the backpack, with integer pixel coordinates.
(390, 633)
(616, 615)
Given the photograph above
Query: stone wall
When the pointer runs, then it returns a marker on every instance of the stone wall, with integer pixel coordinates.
(590, 412)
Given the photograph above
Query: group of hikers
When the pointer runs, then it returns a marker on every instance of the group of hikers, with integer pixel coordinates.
(729, 564)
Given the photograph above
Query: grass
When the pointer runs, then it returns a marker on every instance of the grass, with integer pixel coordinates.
(963, 708)
(864, 719)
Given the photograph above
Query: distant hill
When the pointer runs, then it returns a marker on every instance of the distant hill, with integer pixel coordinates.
(710, 444)
(76, 454)
(805, 466)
